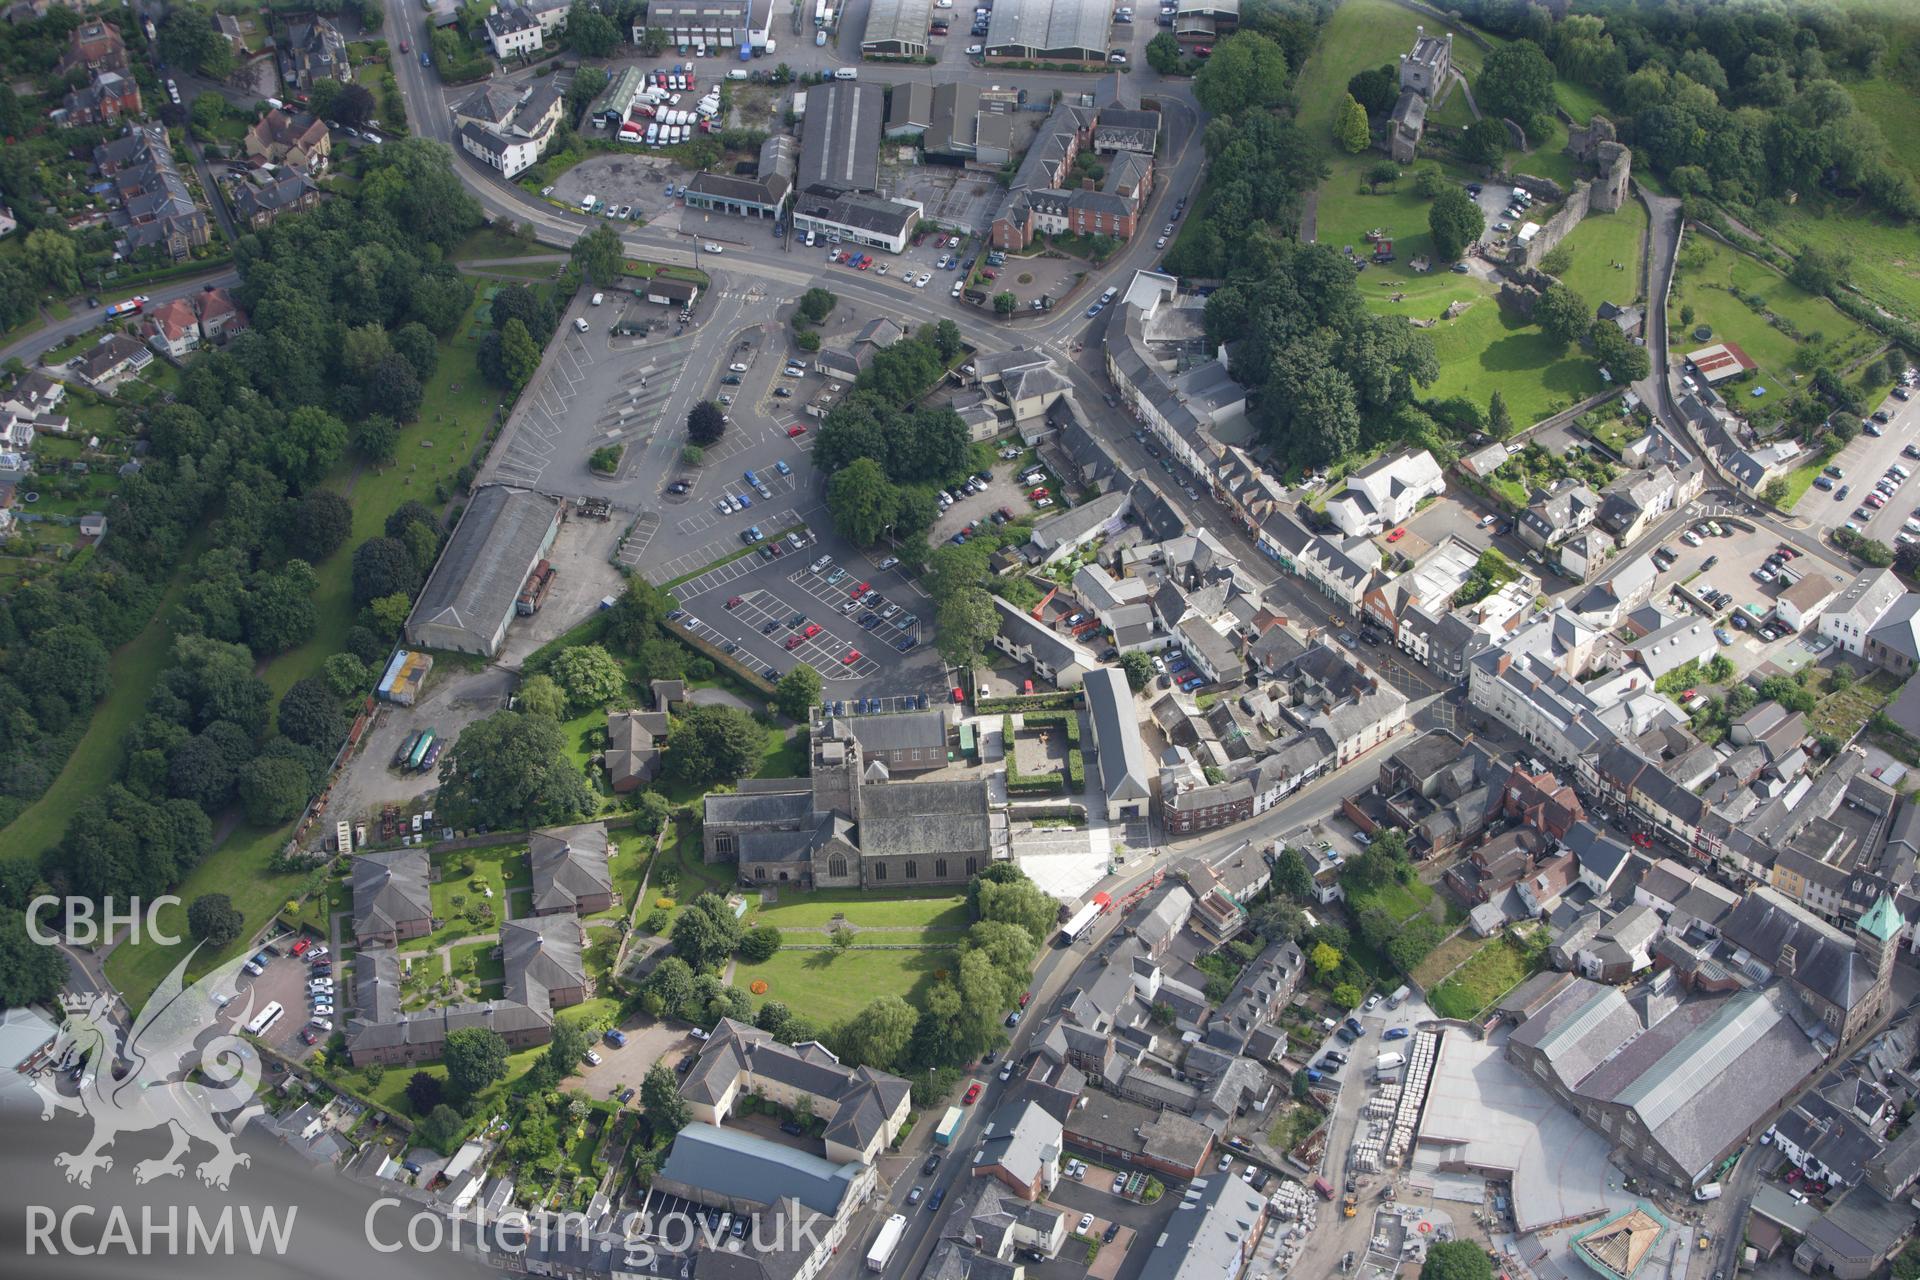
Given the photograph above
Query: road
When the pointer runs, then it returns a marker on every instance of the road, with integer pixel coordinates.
(428, 117)
(46, 338)
(1058, 970)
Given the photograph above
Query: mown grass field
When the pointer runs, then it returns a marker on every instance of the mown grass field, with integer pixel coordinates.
(1601, 240)
(1708, 267)
(871, 907)
(830, 986)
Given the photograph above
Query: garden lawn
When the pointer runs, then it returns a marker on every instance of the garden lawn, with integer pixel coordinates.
(628, 867)
(1494, 970)
(238, 868)
(1600, 240)
(501, 868)
(830, 986)
(487, 967)
(1707, 267)
(431, 451)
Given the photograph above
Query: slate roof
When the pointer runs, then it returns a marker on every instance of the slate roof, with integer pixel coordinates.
(1764, 924)
(1210, 1234)
(389, 890)
(736, 1164)
(568, 865)
(924, 817)
(865, 1099)
(540, 954)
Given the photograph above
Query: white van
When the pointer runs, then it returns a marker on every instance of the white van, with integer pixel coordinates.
(597, 299)
(736, 75)
(580, 323)
(846, 73)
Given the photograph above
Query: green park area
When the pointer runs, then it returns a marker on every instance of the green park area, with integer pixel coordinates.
(1786, 330)
(865, 908)
(1884, 251)
(1605, 254)
(831, 986)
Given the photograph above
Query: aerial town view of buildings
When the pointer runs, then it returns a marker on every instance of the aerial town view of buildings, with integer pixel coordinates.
(1221, 641)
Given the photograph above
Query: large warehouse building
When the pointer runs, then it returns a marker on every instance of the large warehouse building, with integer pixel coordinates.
(700, 26)
(469, 600)
(897, 27)
(840, 139)
(1049, 30)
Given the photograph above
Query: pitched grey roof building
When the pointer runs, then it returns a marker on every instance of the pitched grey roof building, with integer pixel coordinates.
(732, 1164)
(570, 869)
(469, 598)
(862, 1107)
(390, 895)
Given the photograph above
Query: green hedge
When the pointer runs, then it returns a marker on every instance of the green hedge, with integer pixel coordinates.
(1022, 784)
(1068, 700)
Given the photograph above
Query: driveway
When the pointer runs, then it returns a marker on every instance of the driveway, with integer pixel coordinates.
(625, 1068)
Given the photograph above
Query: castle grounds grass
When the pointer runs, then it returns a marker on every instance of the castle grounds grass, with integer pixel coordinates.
(1602, 239)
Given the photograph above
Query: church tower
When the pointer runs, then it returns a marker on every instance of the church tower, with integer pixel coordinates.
(836, 772)
(1877, 937)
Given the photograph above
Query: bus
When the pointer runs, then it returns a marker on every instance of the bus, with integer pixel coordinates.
(419, 751)
(265, 1018)
(1074, 928)
(886, 1242)
(405, 753)
(131, 307)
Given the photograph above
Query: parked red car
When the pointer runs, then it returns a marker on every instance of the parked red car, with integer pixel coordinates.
(973, 1093)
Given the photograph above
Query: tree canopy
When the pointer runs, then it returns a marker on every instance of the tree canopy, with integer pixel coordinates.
(1246, 70)
(511, 770)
